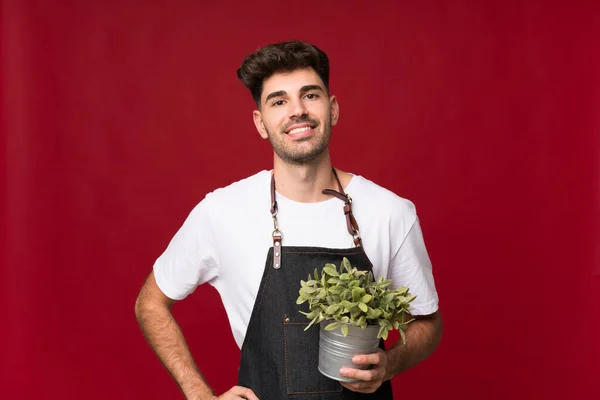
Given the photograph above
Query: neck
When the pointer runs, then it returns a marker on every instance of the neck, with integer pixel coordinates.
(304, 183)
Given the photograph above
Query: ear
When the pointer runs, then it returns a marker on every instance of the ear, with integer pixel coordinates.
(335, 110)
(260, 126)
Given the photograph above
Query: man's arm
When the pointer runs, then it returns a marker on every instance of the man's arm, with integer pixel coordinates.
(422, 338)
(153, 312)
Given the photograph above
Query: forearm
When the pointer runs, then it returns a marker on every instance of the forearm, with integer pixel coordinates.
(422, 338)
(164, 335)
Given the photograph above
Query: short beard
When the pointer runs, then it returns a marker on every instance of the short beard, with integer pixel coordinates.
(302, 158)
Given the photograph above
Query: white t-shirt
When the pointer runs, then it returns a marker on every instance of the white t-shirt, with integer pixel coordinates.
(225, 240)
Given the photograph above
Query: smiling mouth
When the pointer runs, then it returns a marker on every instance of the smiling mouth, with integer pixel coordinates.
(299, 130)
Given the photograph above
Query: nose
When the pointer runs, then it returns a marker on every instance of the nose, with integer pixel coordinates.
(298, 109)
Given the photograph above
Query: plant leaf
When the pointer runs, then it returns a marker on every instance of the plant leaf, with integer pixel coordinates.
(385, 334)
(303, 293)
(362, 322)
(374, 313)
(332, 326)
(355, 312)
(335, 289)
(311, 323)
(345, 329)
(332, 309)
(357, 293)
(345, 264)
(310, 315)
(403, 335)
(402, 290)
(330, 270)
(301, 300)
(366, 298)
(345, 294)
(363, 307)
(346, 304)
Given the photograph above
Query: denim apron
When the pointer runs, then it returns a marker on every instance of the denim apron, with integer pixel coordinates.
(279, 360)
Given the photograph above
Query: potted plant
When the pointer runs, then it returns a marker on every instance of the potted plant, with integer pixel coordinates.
(354, 312)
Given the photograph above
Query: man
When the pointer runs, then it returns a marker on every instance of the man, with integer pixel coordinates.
(287, 216)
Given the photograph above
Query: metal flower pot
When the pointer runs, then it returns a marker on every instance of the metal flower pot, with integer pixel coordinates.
(336, 350)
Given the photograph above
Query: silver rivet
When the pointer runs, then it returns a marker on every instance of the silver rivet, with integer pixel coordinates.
(276, 254)
(276, 243)
(276, 266)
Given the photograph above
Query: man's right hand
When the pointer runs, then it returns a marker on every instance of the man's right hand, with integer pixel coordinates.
(238, 392)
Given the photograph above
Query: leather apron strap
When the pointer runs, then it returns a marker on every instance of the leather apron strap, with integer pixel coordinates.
(351, 223)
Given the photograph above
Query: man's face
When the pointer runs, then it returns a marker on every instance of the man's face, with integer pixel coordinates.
(296, 115)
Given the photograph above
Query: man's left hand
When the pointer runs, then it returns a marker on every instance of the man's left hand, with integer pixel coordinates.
(370, 379)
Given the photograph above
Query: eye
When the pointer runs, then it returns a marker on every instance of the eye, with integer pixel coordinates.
(277, 103)
(311, 96)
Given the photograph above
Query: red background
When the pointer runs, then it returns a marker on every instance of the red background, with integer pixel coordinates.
(117, 118)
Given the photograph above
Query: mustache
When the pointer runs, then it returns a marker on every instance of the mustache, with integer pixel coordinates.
(300, 120)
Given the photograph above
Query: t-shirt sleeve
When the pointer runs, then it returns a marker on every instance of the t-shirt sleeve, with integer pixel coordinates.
(412, 267)
(190, 258)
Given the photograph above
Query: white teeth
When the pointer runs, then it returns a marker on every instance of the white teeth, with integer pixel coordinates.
(298, 130)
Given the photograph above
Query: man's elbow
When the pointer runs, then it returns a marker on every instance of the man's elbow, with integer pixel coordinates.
(145, 302)
(438, 327)
(435, 326)
(151, 300)
(140, 307)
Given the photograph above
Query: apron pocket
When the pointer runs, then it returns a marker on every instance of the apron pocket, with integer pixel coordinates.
(301, 356)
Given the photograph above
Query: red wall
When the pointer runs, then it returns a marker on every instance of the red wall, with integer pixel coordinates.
(117, 117)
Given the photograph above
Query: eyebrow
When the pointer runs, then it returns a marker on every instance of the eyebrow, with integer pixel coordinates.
(303, 89)
(275, 94)
(308, 88)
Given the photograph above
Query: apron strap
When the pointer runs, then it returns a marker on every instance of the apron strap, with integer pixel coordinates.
(277, 235)
(273, 201)
(351, 223)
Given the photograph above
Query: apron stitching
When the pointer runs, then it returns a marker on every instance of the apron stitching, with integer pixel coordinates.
(285, 357)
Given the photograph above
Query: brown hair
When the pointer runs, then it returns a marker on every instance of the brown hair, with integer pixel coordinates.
(281, 57)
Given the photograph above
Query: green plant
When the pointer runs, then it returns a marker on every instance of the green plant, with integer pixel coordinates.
(352, 297)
